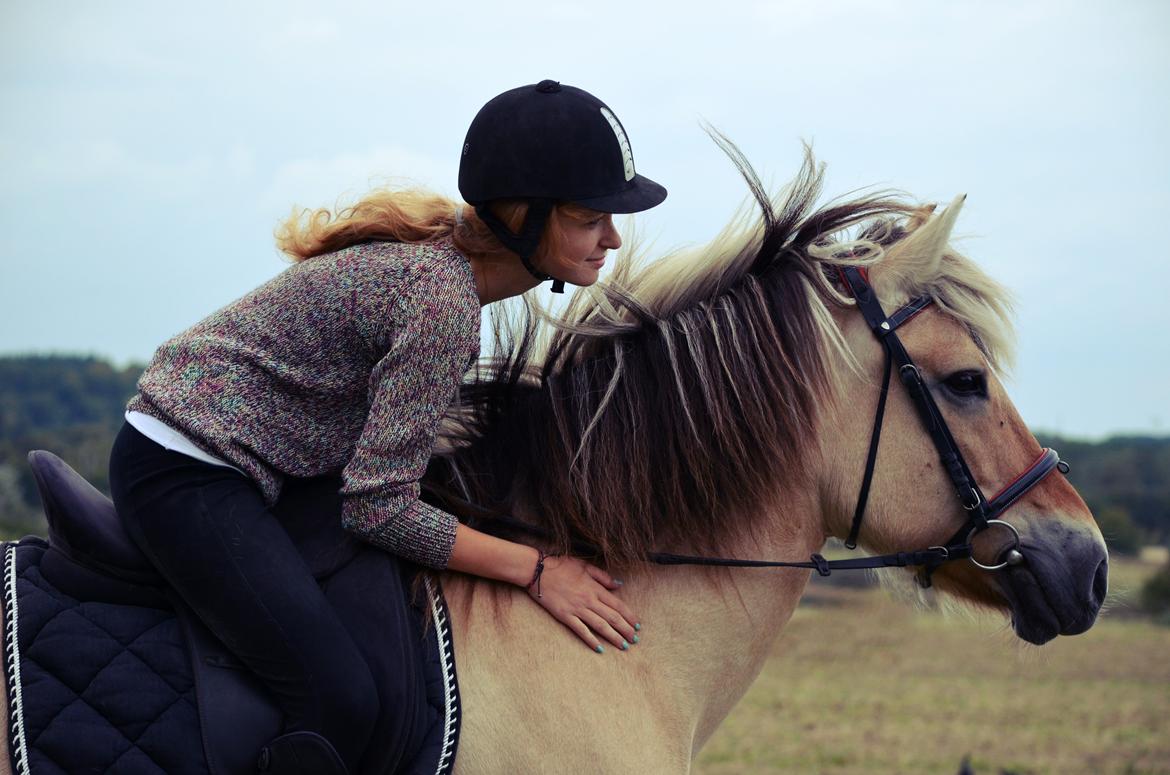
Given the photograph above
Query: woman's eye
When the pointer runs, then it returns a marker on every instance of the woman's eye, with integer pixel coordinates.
(967, 384)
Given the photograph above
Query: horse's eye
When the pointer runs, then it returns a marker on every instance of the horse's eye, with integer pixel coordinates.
(967, 384)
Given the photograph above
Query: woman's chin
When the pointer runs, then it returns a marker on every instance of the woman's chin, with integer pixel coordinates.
(583, 276)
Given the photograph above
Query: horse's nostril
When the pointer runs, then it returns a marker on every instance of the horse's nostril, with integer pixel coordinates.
(1101, 582)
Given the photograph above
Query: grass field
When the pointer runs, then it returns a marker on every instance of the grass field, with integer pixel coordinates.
(860, 683)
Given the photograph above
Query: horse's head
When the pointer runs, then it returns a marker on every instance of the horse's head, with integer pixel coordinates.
(959, 343)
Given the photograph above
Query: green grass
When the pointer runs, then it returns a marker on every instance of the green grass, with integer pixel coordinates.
(869, 685)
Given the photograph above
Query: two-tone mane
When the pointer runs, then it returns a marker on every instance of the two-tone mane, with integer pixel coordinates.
(691, 387)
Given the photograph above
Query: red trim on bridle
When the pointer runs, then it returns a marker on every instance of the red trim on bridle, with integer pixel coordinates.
(1023, 475)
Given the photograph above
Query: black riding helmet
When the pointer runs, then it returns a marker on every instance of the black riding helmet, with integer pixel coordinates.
(549, 143)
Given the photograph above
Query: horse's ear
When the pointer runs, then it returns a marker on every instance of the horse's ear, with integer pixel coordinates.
(916, 258)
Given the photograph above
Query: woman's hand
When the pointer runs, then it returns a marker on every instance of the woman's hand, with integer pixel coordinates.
(581, 597)
(577, 594)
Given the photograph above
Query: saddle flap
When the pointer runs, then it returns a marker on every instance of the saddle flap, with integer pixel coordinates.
(236, 714)
(83, 523)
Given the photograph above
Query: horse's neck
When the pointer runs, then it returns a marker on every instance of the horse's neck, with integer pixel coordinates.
(705, 638)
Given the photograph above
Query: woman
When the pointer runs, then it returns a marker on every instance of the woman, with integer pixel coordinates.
(345, 362)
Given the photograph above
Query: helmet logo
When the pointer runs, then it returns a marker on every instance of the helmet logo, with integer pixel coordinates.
(623, 143)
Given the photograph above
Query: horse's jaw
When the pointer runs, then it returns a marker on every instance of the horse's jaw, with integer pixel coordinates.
(1062, 583)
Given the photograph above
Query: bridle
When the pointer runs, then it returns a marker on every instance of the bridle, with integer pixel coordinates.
(982, 513)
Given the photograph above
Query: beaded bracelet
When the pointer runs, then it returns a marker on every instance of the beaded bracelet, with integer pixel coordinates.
(537, 572)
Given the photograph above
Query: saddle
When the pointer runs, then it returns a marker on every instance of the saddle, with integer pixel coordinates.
(90, 569)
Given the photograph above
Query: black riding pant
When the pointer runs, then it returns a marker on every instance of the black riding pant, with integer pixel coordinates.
(207, 530)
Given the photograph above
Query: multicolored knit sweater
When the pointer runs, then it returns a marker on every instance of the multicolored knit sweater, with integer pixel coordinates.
(344, 362)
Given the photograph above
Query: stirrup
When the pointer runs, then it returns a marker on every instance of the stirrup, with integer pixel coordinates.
(301, 753)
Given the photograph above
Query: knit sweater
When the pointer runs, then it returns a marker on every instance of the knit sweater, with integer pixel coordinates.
(345, 362)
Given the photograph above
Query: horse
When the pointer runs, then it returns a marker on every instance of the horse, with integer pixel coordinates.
(721, 400)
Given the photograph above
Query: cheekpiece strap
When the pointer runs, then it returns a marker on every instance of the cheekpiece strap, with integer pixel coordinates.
(883, 328)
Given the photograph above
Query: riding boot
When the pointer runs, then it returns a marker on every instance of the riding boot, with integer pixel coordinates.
(300, 753)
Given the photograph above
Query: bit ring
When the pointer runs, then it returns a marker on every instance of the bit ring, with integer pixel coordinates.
(1012, 554)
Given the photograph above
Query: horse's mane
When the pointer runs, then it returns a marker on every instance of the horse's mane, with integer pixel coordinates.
(667, 405)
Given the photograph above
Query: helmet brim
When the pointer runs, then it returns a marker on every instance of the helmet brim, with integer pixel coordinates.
(640, 194)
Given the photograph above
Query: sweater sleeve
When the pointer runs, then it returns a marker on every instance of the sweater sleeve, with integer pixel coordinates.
(410, 389)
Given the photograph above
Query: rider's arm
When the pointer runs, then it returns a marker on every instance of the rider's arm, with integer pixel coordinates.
(577, 594)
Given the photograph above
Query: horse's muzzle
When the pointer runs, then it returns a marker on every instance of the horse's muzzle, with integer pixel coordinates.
(1060, 586)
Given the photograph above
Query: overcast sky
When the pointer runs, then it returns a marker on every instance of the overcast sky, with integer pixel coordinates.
(148, 150)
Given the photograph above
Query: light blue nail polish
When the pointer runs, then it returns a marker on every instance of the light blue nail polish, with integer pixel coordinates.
(625, 646)
(637, 626)
(600, 650)
(619, 582)
(636, 639)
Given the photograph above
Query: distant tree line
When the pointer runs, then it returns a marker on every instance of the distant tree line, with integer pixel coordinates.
(73, 407)
(1125, 480)
(69, 405)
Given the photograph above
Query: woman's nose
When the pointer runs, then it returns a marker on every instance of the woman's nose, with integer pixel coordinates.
(611, 239)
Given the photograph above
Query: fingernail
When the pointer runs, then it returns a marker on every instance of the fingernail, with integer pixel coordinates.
(619, 582)
(636, 639)
(625, 646)
(637, 626)
(600, 650)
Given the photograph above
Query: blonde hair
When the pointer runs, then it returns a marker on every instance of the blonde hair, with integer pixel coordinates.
(417, 215)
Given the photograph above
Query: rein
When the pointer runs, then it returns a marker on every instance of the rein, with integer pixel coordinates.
(936, 554)
(983, 513)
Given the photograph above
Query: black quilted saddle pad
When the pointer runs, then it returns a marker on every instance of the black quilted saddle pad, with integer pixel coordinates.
(94, 687)
(99, 687)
